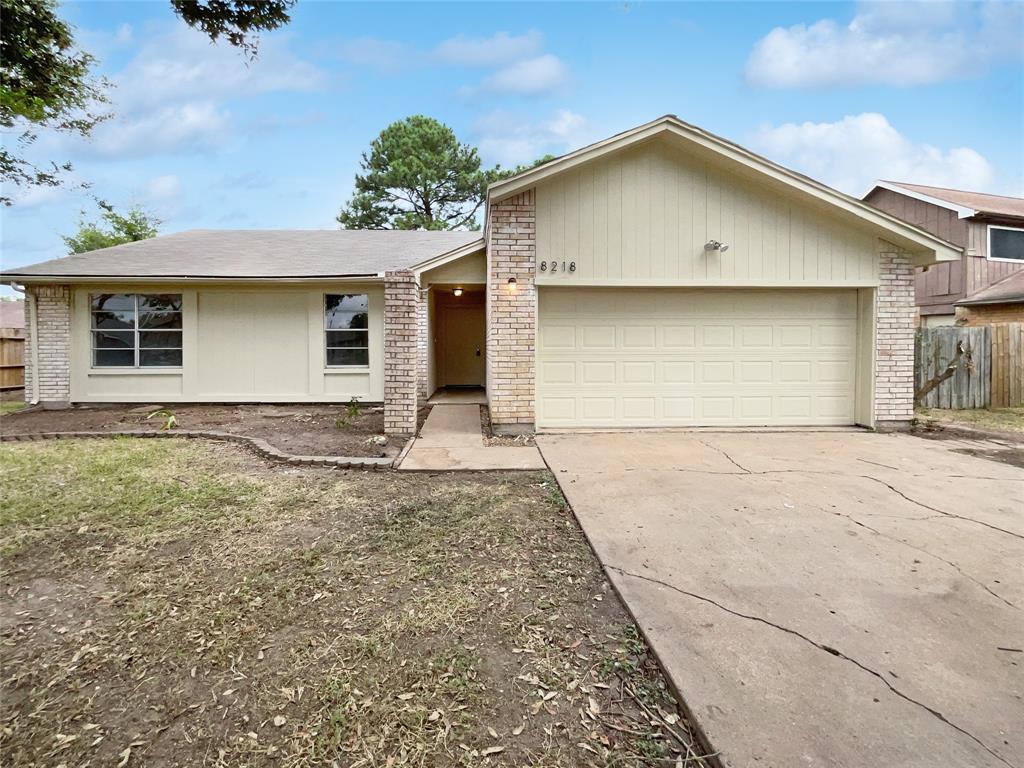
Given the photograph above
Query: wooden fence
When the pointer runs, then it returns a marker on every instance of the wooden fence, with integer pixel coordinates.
(12, 359)
(989, 373)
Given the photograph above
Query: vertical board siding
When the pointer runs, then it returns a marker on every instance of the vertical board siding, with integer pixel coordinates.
(644, 214)
(12, 358)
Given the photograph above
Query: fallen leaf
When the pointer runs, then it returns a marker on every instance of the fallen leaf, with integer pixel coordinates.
(406, 696)
(491, 751)
(125, 755)
(280, 720)
(518, 729)
(492, 732)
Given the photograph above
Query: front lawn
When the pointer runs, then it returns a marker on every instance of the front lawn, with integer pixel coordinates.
(179, 603)
(10, 406)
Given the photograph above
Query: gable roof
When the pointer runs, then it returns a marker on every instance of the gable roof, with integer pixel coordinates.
(925, 247)
(966, 204)
(1009, 290)
(244, 254)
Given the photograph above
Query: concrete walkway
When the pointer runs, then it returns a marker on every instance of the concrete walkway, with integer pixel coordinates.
(821, 600)
(451, 439)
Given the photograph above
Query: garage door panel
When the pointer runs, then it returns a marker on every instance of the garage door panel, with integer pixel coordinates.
(737, 357)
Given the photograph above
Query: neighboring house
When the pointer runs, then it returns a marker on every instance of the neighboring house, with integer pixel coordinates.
(662, 277)
(12, 344)
(1001, 302)
(990, 229)
(12, 318)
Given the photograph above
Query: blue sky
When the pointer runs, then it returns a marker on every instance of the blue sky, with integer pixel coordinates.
(925, 92)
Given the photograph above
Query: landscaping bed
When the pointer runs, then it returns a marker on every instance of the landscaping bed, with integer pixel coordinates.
(182, 603)
(306, 430)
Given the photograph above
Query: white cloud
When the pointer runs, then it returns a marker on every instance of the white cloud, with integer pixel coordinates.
(192, 126)
(500, 48)
(163, 188)
(509, 139)
(853, 152)
(531, 77)
(891, 43)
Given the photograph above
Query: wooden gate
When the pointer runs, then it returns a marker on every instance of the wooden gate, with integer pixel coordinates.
(1007, 365)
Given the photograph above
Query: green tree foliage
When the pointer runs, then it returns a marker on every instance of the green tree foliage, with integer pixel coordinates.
(134, 225)
(418, 176)
(45, 82)
(237, 21)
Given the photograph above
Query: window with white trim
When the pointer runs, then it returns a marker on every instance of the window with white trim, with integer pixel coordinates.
(1005, 243)
(347, 329)
(136, 330)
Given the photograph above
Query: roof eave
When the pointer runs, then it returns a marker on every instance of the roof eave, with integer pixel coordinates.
(962, 212)
(8, 278)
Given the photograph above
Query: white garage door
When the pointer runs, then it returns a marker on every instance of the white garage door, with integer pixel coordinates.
(669, 357)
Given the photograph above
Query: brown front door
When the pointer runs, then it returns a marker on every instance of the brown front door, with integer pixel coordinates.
(464, 342)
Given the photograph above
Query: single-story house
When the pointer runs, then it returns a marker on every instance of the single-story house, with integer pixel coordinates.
(989, 228)
(661, 277)
(1001, 302)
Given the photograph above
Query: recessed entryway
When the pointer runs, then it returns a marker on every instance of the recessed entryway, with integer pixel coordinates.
(459, 336)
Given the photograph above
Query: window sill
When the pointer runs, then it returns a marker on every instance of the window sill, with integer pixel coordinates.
(1005, 261)
(153, 371)
(347, 369)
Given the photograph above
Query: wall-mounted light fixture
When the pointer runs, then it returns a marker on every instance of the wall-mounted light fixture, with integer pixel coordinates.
(512, 283)
(714, 245)
(457, 291)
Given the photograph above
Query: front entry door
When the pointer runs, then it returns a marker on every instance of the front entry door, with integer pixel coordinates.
(464, 345)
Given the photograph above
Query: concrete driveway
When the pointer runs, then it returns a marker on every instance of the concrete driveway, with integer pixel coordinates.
(819, 598)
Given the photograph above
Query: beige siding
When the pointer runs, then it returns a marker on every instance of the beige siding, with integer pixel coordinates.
(239, 344)
(467, 270)
(642, 217)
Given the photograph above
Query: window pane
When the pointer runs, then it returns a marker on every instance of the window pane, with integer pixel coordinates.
(114, 301)
(119, 357)
(346, 310)
(1007, 244)
(160, 357)
(348, 357)
(118, 319)
(160, 301)
(160, 320)
(160, 338)
(113, 339)
(346, 338)
(341, 320)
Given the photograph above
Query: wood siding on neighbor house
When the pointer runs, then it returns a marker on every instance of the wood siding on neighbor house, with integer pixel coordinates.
(938, 288)
(642, 216)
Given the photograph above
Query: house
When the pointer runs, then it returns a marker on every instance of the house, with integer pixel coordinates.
(990, 229)
(661, 277)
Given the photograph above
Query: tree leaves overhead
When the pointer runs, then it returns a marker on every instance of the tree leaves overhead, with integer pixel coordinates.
(134, 225)
(45, 82)
(237, 21)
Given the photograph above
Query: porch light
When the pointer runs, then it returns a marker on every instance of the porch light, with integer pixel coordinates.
(457, 291)
(714, 245)
(512, 283)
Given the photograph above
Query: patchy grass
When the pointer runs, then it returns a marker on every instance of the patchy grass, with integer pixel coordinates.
(10, 406)
(170, 603)
(992, 419)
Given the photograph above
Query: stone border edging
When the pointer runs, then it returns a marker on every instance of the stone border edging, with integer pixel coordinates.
(257, 445)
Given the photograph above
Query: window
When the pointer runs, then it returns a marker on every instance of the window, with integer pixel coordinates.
(346, 326)
(132, 330)
(1006, 244)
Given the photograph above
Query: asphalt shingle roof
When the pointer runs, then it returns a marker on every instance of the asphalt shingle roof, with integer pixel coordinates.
(982, 202)
(205, 253)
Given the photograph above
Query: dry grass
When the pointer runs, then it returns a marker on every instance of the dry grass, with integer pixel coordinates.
(991, 419)
(173, 603)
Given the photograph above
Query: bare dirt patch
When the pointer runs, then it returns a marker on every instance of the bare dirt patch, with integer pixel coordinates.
(313, 430)
(173, 603)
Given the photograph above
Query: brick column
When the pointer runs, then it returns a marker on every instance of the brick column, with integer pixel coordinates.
(511, 312)
(894, 353)
(401, 329)
(53, 346)
(422, 345)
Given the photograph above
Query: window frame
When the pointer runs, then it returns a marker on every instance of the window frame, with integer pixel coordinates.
(366, 331)
(988, 244)
(136, 330)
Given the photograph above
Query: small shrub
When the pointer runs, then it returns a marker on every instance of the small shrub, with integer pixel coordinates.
(352, 411)
(170, 420)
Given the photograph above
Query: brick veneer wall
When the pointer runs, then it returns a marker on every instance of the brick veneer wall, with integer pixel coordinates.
(422, 345)
(53, 320)
(401, 342)
(894, 340)
(511, 312)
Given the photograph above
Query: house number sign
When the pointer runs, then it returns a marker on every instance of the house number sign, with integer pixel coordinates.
(558, 266)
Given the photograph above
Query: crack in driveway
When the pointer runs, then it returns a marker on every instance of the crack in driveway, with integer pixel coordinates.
(820, 646)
